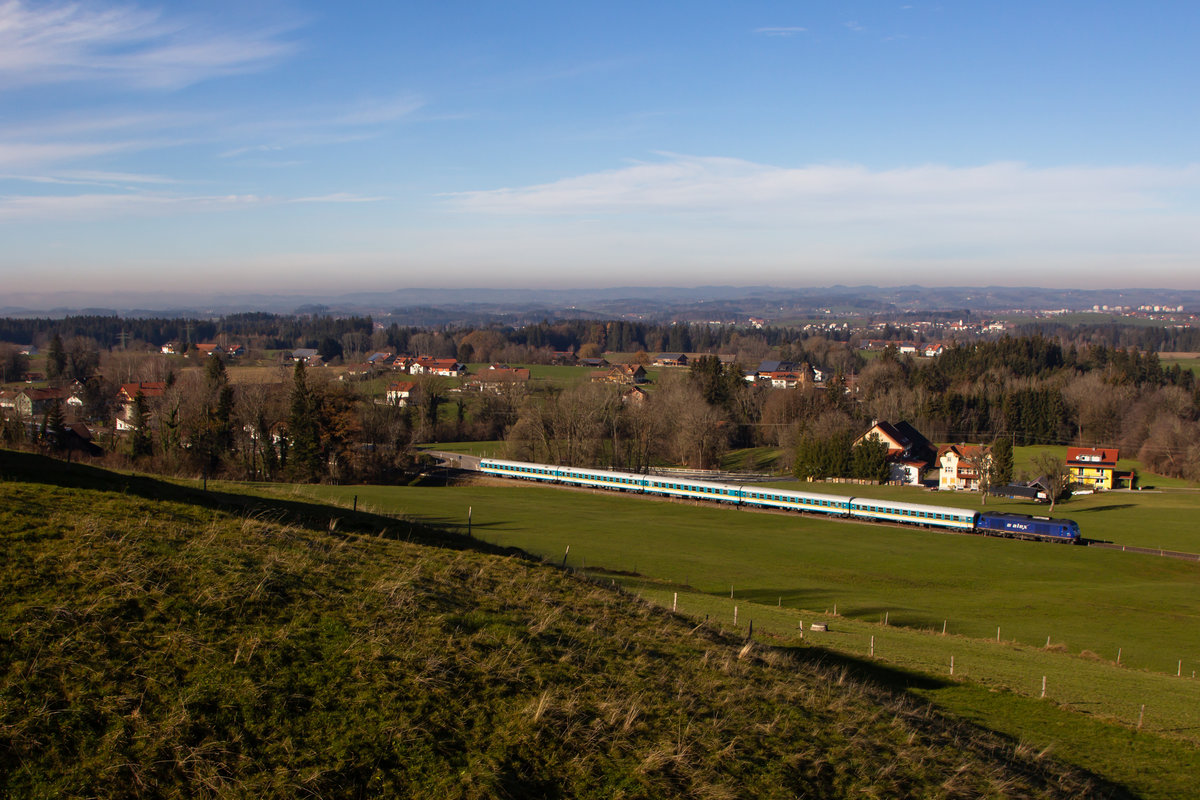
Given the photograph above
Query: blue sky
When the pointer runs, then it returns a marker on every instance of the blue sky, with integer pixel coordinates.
(304, 146)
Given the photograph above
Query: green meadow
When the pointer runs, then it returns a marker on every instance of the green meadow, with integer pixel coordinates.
(1084, 599)
(1114, 635)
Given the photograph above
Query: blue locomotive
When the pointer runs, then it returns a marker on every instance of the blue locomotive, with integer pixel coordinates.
(1023, 526)
(861, 508)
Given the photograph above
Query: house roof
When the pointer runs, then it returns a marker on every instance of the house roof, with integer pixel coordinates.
(402, 386)
(147, 388)
(1092, 457)
(969, 453)
(905, 443)
(776, 366)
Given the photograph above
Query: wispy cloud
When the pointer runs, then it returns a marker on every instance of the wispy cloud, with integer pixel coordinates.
(22, 155)
(57, 42)
(111, 205)
(734, 186)
(338, 197)
(854, 26)
(91, 178)
(780, 31)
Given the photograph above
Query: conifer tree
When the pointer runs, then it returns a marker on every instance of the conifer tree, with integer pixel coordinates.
(56, 358)
(303, 432)
(140, 443)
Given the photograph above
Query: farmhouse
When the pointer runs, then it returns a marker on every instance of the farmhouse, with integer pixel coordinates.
(308, 355)
(496, 378)
(960, 467)
(36, 402)
(671, 360)
(398, 394)
(127, 396)
(446, 367)
(1095, 467)
(626, 374)
(909, 453)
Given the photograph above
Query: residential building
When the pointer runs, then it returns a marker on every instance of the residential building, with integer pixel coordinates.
(497, 378)
(398, 394)
(909, 453)
(1094, 467)
(960, 467)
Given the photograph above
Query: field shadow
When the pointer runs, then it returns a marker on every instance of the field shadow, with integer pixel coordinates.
(1110, 507)
(867, 670)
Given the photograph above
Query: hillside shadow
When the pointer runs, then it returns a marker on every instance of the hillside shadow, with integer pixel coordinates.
(318, 517)
(867, 670)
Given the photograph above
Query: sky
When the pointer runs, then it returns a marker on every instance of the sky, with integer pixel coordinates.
(298, 147)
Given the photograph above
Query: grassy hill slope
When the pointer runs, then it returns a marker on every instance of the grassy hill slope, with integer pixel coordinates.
(160, 641)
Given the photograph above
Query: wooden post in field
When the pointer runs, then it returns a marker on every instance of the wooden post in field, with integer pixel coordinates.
(675, 602)
(469, 520)
(886, 615)
(731, 591)
(997, 633)
(943, 627)
(1043, 686)
(565, 555)
(1047, 641)
(1179, 671)
(1141, 714)
(735, 616)
(1118, 656)
(872, 647)
(951, 665)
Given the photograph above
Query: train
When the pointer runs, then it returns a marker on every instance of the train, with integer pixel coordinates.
(964, 520)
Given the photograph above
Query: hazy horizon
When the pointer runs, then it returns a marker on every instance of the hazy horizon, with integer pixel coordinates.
(296, 147)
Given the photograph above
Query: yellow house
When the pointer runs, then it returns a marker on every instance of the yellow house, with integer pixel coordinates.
(1093, 466)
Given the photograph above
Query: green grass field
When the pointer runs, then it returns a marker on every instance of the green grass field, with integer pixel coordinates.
(1095, 606)
(1143, 605)
(1184, 360)
(162, 640)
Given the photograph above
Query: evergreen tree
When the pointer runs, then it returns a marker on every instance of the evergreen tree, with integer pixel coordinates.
(56, 358)
(54, 427)
(1002, 458)
(140, 443)
(303, 431)
(868, 460)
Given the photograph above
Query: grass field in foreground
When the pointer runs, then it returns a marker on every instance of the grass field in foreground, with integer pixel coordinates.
(163, 640)
(1083, 598)
(1070, 722)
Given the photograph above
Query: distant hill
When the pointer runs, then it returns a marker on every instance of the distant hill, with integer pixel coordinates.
(161, 641)
(431, 306)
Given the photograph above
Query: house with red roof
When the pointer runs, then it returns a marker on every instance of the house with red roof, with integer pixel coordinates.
(1095, 467)
(961, 465)
(909, 453)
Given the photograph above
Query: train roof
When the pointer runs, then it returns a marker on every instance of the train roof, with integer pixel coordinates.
(858, 502)
(1031, 517)
(839, 498)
